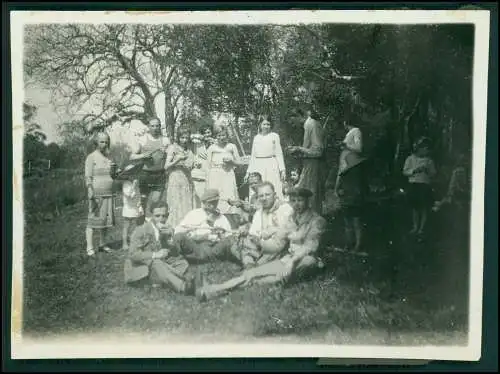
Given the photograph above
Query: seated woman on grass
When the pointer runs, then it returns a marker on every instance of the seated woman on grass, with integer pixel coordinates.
(303, 232)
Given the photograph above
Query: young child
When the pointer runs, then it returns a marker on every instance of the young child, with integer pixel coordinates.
(420, 170)
(132, 208)
(458, 192)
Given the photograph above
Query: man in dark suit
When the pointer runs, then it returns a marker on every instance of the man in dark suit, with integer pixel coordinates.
(154, 257)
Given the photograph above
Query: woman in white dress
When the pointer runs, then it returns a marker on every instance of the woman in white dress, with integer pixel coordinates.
(267, 158)
(222, 157)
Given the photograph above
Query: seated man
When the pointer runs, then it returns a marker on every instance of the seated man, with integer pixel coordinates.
(152, 255)
(264, 242)
(252, 203)
(204, 234)
(303, 231)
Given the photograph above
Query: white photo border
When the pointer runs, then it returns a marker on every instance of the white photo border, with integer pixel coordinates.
(107, 346)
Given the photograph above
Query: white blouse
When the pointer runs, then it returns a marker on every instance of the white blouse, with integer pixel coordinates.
(266, 146)
(353, 140)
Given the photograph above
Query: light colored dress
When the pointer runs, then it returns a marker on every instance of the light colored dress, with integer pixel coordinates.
(311, 176)
(221, 175)
(267, 159)
(180, 190)
(101, 207)
(199, 175)
(132, 207)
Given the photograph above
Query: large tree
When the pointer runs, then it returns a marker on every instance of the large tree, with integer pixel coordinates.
(111, 73)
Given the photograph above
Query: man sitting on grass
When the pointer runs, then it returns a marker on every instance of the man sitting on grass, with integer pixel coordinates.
(249, 206)
(303, 231)
(262, 241)
(152, 255)
(204, 234)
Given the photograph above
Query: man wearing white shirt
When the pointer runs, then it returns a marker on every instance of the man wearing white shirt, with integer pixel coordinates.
(204, 234)
(264, 241)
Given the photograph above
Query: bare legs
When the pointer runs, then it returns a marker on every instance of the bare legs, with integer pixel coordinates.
(353, 232)
(129, 224)
(89, 235)
(416, 219)
(126, 228)
(419, 221)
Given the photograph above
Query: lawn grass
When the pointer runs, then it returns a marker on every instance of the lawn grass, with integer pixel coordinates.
(388, 298)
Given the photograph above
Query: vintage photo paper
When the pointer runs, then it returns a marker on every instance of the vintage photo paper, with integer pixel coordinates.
(367, 129)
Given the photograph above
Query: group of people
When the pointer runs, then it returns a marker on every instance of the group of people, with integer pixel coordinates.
(182, 200)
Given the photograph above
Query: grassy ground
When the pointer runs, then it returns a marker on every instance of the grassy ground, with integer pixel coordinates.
(402, 294)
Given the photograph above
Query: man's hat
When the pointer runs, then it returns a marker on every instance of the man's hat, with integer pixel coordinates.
(210, 195)
(301, 192)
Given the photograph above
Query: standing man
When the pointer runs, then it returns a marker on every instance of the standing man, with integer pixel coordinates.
(152, 179)
(311, 153)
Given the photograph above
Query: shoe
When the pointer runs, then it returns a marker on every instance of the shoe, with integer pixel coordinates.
(249, 266)
(106, 249)
(190, 287)
(199, 279)
(90, 252)
(201, 295)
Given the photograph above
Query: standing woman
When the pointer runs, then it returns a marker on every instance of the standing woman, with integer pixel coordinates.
(99, 174)
(222, 157)
(351, 186)
(267, 158)
(311, 153)
(180, 190)
(201, 142)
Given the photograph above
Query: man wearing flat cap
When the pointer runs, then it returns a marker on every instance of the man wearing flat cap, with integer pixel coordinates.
(303, 231)
(204, 234)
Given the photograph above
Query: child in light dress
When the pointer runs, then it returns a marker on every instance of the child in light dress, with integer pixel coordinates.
(132, 208)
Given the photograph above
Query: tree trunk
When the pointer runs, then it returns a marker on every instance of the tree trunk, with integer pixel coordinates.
(236, 130)
(169, 117)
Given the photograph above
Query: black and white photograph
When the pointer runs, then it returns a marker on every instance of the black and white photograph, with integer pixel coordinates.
(248, 183)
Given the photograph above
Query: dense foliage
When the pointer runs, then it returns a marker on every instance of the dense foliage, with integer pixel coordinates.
(397, 82)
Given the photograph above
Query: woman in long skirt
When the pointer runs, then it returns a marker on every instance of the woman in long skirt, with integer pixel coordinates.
(222, 157)
(99, 173)
(267, 158)
(181, 197)
(312, 154)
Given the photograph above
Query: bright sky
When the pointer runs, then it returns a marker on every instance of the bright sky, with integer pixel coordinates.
(48, 118)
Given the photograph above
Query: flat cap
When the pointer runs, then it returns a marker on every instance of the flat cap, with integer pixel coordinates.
(299, 191)
(210, 195)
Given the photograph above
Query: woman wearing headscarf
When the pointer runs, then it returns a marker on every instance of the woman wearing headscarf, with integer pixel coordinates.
(100, 171)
